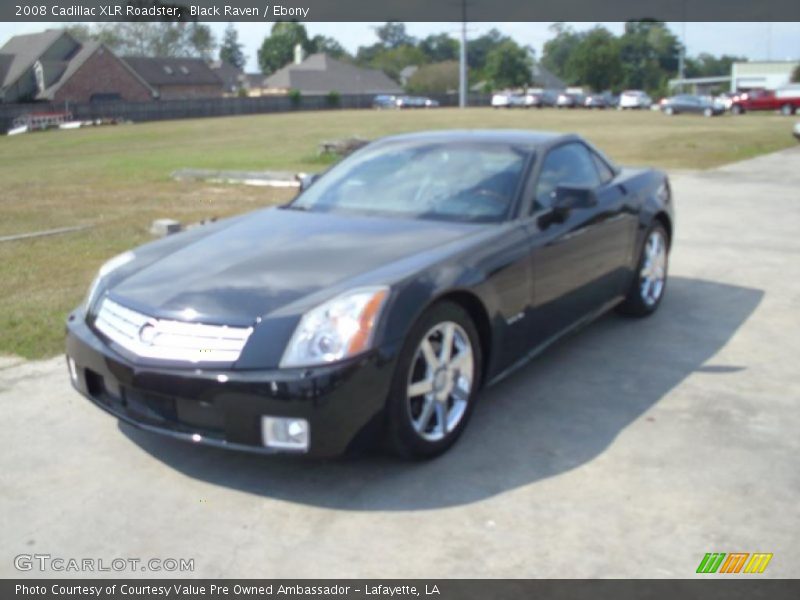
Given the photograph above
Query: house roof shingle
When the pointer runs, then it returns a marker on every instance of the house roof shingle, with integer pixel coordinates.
(173, 71)
(69, 67)
(320, 74)
(5, 64)
(24, 51)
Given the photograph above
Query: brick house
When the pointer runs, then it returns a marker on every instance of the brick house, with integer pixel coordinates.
(177, 78)
(53, 66)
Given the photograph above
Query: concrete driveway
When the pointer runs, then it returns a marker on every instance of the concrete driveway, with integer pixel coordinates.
(629, 450)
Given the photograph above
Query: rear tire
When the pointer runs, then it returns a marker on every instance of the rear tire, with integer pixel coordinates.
(708, 112)
(650, 280)
(435, 383)
(737, 110)
(787, 110)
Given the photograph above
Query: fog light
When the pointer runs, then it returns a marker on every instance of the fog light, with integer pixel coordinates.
(285, 433)
(73, 370)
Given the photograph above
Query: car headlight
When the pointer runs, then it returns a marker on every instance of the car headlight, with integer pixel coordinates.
(108, 267)
(338, 329)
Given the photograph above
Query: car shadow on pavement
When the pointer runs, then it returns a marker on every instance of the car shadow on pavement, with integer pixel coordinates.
(558, 412)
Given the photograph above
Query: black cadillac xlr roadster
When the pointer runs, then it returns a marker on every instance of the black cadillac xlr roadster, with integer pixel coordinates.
(376, 303)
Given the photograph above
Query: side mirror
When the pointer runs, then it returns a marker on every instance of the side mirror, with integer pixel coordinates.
(567, 198)
(306, 180)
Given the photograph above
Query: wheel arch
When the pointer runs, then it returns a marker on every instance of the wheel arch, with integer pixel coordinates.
(663, 218)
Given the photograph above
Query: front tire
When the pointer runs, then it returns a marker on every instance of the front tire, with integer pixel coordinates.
(435, 383)
(787, 110)
(650, 281)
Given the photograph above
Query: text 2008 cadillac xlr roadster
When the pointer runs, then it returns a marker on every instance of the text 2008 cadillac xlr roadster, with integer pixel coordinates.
(376, 303)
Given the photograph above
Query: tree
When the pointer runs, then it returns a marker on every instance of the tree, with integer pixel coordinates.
(508, 65)
(394, 51)
(557, 51)
(366, 54)
(329, 46)
(708, 65)
(437, 78)
(649, 54)
(796, 74)
(595, 61)
(277, 50)
(142, 38)
(393, 35)
(439, 47)
(478, 49)
(393, 60)
(80, 31)
(201, 40)
(231, 50)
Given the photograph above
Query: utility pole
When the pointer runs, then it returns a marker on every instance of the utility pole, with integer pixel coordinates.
(462, 67)
(682, 55)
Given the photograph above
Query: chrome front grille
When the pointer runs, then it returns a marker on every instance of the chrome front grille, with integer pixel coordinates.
(170, 340)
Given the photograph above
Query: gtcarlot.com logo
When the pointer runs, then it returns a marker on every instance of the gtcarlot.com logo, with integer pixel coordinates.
(734, 562)
(58, 564)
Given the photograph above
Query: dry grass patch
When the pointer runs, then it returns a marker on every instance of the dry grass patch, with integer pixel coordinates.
(118, 179)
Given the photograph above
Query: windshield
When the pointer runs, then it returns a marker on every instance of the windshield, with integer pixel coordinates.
(449, 181)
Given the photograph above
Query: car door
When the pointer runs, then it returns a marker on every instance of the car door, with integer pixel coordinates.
(577, 262)
(684, 105)
(760, 100)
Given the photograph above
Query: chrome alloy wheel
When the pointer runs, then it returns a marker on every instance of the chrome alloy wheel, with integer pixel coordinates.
(654, 269)
(440, 381)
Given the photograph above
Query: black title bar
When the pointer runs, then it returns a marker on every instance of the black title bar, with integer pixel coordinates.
(399, 10)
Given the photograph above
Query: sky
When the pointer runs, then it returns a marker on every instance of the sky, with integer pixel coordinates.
(757, 41)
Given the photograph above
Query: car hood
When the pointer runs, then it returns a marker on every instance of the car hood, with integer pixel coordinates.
(273, 258)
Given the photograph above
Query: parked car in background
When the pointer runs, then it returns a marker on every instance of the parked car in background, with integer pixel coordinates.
(548, 98)
(508, 100)
(569, 100)
(532, 100)
(612, 100)
(378, 302)
(595, 101)
(416, 102)
(384, 101)
(391, 101)
(690, 104)
(786, 100)
(634, 99)
(500, 101)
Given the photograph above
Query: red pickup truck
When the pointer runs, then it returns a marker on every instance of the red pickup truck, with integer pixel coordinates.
(786, 100)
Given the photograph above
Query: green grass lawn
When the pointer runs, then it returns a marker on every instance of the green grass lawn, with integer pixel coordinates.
(118, 179)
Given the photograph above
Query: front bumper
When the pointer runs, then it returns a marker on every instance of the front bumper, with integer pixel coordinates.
(224, 407)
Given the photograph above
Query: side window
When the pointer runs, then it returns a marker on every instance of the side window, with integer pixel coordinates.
(570, 164)
(606, 174)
